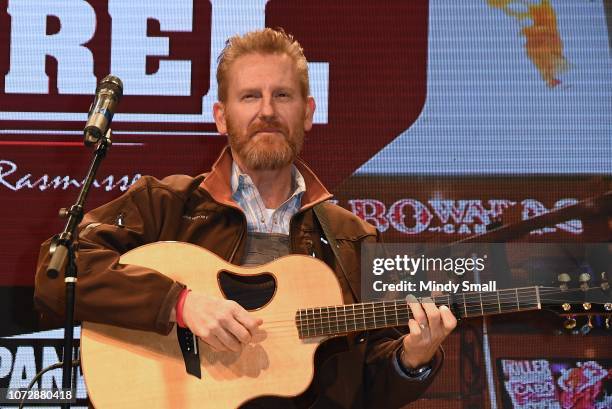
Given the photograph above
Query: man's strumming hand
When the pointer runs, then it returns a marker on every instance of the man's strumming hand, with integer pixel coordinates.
(222, 324)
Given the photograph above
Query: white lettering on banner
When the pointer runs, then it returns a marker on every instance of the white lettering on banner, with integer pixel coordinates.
(407, 216)
(30, 44)
(464, 217)
(44, 182)
(130, 47)
(6, 362)
(24, 368)
(18, 366)
(533, 208)
(421, 216)
(372, 211)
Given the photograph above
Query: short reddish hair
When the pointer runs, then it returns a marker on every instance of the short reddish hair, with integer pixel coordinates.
(266, 41)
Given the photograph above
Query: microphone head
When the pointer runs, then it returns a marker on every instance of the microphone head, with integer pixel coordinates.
(113, 84)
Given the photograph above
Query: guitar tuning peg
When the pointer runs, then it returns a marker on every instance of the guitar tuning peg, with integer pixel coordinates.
(584, 279)
(608, 306)
(586, 306)
(588, 326)
(570, 323)
(563, 279)
(607, 322)
(605, 285)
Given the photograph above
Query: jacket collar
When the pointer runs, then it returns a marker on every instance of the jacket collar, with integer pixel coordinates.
(217, 182)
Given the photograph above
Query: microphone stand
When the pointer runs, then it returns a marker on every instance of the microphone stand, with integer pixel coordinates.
(63, 251)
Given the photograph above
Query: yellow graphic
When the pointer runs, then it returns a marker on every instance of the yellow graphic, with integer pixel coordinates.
(544, 46)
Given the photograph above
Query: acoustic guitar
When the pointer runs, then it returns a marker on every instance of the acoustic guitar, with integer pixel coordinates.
(139, 369)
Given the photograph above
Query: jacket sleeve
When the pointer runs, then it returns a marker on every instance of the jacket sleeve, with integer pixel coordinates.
(385, 387)
(109, 292)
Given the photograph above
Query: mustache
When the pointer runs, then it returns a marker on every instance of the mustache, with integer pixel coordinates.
(268, 126)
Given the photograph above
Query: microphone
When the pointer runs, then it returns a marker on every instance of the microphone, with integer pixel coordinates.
(108, 94)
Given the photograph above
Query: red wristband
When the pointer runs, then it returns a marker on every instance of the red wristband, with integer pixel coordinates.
(180, 303)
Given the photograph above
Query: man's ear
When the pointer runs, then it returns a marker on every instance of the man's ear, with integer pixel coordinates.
(310, 109)
(219, 115)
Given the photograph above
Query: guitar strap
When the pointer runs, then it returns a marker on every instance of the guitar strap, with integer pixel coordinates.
(321, 214)
(187, 341)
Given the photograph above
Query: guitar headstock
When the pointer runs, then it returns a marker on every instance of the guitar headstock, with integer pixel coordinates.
(584, 308)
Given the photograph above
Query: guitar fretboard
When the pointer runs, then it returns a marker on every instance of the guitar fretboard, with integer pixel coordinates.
(344, 319)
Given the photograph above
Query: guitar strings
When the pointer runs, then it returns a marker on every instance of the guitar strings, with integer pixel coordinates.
(321, 324)
(500, 298)
(321, 319)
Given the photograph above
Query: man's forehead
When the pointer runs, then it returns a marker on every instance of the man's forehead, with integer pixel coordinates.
(255, 68)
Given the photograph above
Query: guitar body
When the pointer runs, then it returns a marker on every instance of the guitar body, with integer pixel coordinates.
(131, 368)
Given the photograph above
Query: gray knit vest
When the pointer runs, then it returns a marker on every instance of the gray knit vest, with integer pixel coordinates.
(254, 292)
(262, 248)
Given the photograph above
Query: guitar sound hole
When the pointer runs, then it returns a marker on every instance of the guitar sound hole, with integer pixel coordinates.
(251, 292)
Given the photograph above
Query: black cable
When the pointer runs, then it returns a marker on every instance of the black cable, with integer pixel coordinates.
(75, 363)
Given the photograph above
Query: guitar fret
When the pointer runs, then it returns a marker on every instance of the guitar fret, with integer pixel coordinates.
(385, 313)
(498, 302)
(518, 304)
(365, 326)
(329, 321)
(321, 317)
(481, 307)
(300, 325)
(373, 324)
(395, 310)
(345, 323)
(464, 305)
(313, 319)
(529, 298)
(313, 324)
(337, 322)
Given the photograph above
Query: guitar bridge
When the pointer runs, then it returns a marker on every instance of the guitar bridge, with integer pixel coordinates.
(191, 352)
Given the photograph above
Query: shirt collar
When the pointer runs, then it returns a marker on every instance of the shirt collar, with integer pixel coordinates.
(217, 182)
(239, 180)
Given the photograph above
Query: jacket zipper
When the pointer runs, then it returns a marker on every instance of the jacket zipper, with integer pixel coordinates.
(237, 244)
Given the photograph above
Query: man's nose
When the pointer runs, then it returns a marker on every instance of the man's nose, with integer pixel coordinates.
(267, 109)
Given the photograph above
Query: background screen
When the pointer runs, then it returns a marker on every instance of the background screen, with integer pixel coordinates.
(434, 120)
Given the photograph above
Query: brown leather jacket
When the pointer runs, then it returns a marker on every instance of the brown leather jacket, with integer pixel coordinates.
(352, 372)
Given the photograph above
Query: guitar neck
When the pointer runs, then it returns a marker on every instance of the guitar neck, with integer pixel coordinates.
(343, 319)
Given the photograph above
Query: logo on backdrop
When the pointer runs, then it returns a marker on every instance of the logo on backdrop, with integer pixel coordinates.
(463, 217)
(52, 54)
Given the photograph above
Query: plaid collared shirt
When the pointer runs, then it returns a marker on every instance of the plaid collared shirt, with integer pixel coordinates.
(259, 219)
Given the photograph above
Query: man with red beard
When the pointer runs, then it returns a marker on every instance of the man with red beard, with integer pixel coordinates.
(255, 205)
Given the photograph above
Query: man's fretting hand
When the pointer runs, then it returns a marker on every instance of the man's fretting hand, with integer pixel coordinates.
(429, 326)
(221, 323)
